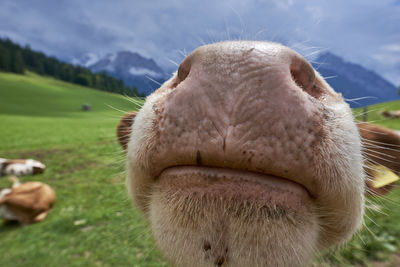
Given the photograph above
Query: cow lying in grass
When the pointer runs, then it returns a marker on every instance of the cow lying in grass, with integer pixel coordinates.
(245, 157)
(381, 147)
(391, 114)
(20, 167)
(27, 202)
(24, 202)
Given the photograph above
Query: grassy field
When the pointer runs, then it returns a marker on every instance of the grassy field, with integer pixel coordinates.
(93, 222)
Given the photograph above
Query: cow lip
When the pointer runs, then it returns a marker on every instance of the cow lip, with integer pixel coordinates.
(255, 177)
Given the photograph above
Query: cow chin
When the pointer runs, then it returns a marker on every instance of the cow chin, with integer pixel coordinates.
(214, 231)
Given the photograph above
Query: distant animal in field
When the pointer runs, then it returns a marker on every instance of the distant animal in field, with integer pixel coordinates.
(20, 167)
(382, 147)
(86, 107)
(245, 157)
(391, 114)
(26, 203)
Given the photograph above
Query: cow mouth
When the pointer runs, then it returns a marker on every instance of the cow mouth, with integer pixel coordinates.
(234, 185)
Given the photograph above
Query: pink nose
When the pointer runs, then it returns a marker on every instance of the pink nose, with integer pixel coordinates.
(250, 105)
(241, 62)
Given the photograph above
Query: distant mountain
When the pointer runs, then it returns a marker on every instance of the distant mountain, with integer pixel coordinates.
(354, 81)
(87, 60)
(133, 69)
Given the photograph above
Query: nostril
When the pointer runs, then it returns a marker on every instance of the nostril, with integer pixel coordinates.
(304, 76)
(184, 69)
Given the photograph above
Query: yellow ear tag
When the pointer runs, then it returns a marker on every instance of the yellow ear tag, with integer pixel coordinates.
(382, 176)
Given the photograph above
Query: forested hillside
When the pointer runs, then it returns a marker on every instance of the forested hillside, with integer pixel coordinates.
(17, 59)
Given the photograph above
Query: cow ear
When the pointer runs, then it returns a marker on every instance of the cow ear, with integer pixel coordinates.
(124, 128)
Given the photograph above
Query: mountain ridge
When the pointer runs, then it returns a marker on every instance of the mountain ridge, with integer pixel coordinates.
(354, 81)
(358, 85)
(133, 69)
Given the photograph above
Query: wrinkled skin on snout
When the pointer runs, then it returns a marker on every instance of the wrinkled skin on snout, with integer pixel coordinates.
(246, 157)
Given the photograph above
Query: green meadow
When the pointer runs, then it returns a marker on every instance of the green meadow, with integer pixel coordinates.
(93, 222)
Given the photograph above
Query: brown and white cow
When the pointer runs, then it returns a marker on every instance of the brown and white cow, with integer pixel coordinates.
(20, 167)
(381, 147)
(246, 157)
(27, 202)
(391, 114)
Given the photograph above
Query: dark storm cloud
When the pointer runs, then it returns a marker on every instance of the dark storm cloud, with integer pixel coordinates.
(363, 31)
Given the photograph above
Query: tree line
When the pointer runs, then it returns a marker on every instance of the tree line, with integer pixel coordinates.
(15, 58)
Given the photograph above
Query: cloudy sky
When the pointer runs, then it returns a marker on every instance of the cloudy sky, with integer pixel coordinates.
(362, 31)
